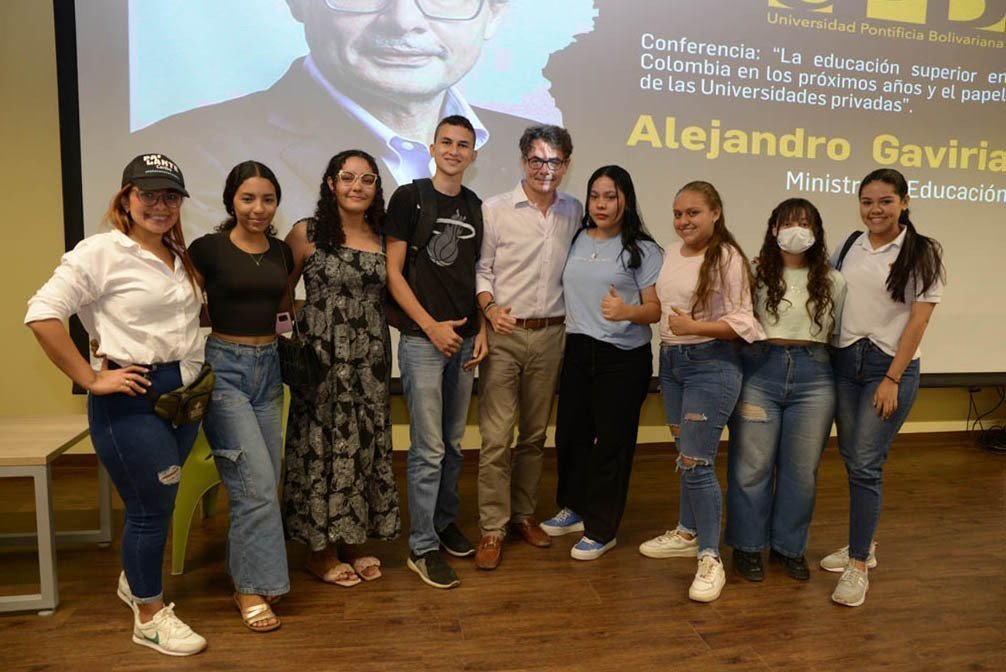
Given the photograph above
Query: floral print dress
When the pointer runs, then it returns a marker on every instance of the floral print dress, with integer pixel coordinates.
(339, 486)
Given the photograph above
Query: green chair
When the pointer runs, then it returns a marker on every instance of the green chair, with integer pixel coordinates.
(200, 483)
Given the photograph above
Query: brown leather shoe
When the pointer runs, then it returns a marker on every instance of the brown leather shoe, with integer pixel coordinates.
(489, 552)
(531, 532)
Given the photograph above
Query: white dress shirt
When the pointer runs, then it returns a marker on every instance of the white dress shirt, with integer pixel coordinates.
(524, 252)
(869, 310)
(139, 310)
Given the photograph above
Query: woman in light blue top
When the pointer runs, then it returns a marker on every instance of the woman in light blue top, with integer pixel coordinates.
(608, 288)
(787, 402)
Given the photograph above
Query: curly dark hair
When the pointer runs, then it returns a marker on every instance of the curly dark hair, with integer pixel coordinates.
(237, 177)
(820, 304)
(328, 233)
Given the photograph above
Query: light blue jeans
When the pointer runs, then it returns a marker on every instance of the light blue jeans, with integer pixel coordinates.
(863, 438)
(699, 385)
(777, 434)
(245, 432)
(437, 391)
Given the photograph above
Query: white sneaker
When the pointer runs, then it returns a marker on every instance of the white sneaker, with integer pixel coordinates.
(670, 544)
(839, 560)
(851, 588)
(708, 581)
(126, 595)
(166, 633)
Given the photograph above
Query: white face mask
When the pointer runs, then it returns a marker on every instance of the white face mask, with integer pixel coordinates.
(795, 239)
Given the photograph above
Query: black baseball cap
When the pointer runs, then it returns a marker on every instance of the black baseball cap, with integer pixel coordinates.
(154, 171)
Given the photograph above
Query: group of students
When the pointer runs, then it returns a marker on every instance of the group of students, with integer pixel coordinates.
(517, 287)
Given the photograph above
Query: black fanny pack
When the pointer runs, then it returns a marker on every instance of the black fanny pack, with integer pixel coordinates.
(185, 404)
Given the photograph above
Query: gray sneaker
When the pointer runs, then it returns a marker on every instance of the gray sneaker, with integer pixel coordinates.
(432, 569)
(837, 561)
(851, 588)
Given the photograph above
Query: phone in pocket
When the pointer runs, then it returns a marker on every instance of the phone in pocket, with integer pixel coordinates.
(284, 324)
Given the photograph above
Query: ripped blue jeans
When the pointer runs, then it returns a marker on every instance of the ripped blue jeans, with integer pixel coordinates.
(143, 455)
(699, 385)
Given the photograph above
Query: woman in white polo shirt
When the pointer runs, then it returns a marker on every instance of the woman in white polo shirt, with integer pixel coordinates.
(135, 290)
(894, 280)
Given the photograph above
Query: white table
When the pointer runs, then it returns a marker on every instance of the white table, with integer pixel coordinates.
(28, 447)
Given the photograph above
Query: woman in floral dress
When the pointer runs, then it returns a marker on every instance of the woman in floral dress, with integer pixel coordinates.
(339, 488)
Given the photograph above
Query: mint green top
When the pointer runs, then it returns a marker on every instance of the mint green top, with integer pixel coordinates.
(795, 322)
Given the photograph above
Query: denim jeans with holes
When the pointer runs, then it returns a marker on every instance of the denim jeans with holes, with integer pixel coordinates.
(863, 438)
(777, 434)
(699, 385)
(244, 428)
(143, 455)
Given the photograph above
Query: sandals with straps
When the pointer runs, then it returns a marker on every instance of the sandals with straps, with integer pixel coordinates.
(255, 614)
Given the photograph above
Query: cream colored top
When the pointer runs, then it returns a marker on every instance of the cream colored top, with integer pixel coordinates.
(795, 322)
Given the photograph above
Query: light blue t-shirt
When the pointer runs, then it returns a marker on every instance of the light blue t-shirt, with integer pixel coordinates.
(594, 265)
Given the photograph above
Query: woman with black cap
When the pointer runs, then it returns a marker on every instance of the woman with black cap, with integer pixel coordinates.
(135, 290)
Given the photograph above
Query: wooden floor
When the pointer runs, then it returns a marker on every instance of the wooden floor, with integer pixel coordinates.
(937, 600)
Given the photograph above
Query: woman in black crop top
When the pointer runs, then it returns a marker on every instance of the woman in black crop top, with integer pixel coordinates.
(244, 269)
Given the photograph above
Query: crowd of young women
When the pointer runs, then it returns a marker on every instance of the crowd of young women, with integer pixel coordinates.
(139, 292)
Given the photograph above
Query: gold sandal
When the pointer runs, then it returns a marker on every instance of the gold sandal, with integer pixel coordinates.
(257, 613)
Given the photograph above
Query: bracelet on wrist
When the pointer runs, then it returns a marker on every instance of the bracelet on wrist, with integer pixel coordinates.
(892, 379)
(485, 308)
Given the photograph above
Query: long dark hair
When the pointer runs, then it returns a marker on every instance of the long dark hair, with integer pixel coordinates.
(920, 258)
(633, 229)
(769, 274)
(328, 233)
(719, 242)
(237, 177)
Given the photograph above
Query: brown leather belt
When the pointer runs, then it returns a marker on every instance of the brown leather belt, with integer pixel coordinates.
(540, 322)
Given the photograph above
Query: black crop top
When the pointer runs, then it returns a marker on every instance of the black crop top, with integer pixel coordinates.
(243, 290)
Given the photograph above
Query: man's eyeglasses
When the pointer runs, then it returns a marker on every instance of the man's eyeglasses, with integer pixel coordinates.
(536, 164)
(172, 199)
(349, 177)
(440, 10)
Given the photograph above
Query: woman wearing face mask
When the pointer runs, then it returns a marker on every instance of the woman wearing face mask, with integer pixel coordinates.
(244, 270)
(136, 292)
(705, 291)
(611, 302)
(895, 278)
(787, 402)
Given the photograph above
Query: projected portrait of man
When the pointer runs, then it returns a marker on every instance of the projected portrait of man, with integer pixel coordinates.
(379, 76)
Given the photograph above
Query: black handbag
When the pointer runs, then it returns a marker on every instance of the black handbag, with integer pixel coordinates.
(298, 362)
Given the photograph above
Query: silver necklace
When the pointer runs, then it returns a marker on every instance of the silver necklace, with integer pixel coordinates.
(257, 259)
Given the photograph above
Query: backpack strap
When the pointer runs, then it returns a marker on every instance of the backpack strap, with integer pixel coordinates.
(849, 242)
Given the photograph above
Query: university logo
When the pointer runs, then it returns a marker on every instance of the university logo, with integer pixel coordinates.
(987, 15)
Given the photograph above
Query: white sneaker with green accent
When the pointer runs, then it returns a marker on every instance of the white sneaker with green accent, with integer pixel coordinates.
(166, 633)
(851, 588)
(670, 544)
(837, 561)
(708, 581)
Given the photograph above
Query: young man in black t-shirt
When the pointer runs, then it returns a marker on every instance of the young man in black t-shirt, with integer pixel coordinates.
(434, 234)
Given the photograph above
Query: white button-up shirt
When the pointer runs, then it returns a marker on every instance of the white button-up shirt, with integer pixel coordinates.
(139, 310)
(524, 252)
(869, 310)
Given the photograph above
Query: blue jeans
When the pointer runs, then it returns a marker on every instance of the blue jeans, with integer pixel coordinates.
(777, 434)
(863, 438)
(437, 391)
(244, 428)
(143, 455)
(699, 385)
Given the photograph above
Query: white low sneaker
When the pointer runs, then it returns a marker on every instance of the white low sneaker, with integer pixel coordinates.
(839, 560)
(851, 588)
(167, 634)
(709, 580)
(670, 544)
(125, 594)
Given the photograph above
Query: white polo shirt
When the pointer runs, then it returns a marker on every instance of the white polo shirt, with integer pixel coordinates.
(869, 310)
(139, 310)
